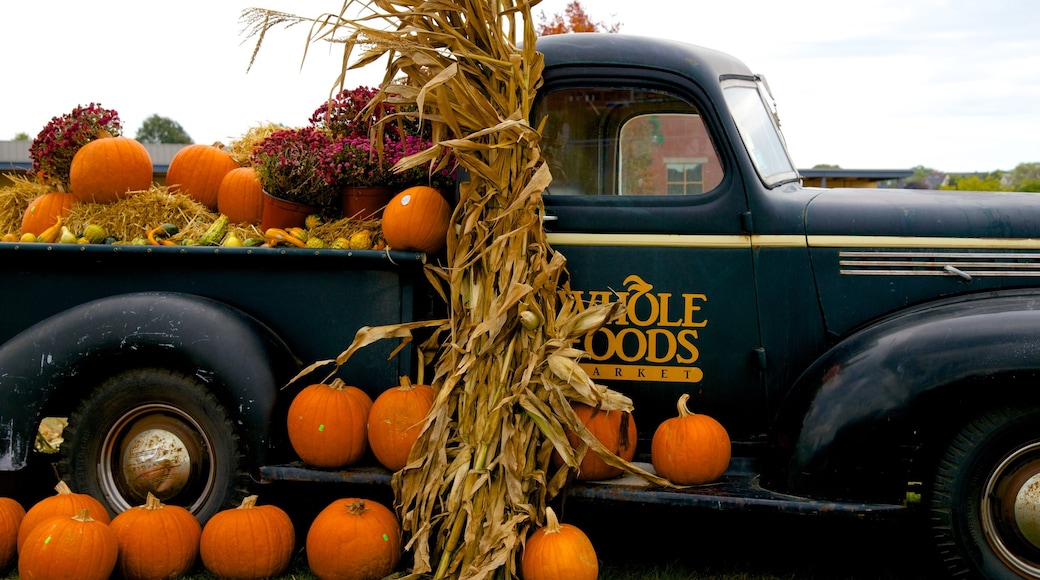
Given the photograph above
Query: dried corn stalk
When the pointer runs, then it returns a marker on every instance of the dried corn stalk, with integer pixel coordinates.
(505, 371)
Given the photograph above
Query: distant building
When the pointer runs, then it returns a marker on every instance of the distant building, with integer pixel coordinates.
(870, 178)
(15, 160)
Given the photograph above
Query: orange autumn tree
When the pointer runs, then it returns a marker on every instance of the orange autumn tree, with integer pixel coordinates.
(573, 19)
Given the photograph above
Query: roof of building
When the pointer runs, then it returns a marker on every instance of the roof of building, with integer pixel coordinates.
(14, 155)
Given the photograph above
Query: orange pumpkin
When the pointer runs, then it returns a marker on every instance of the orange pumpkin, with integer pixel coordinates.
(690, 449)
(417, 219)
(248, 542)
(241, 196)
(558, 551)
(156, 540)
(354, 539)
(62, 547)
(65, 503)
(328, 424)
(395, 421)
(11, 515)
(45, 210)
(197, 170)
(108, 169)
(616, 430)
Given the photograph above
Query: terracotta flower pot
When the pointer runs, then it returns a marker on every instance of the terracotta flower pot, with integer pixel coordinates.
(281, 213)
(365, 202)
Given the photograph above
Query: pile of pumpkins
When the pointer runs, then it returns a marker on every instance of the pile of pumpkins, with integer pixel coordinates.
(107, 169)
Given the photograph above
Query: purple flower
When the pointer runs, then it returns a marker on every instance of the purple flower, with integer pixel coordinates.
(57, 143)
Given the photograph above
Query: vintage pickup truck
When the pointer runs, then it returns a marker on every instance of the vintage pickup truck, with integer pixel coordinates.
(873, 353)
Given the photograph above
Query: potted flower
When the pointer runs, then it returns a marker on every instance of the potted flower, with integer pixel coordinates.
(288, 163)
(57, 143)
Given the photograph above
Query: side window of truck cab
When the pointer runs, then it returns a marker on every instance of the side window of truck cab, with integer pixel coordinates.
(626, 142)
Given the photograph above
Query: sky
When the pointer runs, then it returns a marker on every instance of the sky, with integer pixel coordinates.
(953, 85)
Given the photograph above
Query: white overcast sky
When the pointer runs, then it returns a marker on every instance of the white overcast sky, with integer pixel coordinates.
(874, 84)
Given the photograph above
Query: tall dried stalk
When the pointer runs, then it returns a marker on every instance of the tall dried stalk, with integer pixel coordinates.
(505, 370)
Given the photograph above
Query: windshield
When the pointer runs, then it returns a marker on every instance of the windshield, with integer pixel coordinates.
(759, 132)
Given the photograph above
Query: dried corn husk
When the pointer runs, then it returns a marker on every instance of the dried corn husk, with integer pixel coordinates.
(480, 475)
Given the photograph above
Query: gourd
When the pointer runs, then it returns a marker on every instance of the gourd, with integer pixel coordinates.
(64, 503)
(395, 421)
(11, 515)
(156, 540)
(690, 449)
(108, 169)
(354, 539)
(328, 424)
(417, 219)
(44, 211)
(557, 551)
(248, 542)
(197, 170)
(616, 430)
(64, 547)
(240, 196)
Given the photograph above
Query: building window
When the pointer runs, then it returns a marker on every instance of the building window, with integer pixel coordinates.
(685, 176)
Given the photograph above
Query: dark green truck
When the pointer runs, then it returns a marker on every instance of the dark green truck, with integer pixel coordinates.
(872, 353)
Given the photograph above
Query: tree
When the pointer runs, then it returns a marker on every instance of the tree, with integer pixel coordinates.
(23, 136)
(1024, 175)
(156, 129)
(573, 19)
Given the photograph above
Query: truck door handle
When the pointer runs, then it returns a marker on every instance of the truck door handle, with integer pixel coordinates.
(549, 218)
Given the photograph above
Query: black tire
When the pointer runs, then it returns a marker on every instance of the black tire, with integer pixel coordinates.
(985, 498)
(154, 430)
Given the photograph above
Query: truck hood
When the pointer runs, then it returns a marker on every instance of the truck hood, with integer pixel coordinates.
(877, 251)
(923, 213)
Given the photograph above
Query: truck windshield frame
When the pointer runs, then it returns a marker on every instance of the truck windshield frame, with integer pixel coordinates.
(756, 122)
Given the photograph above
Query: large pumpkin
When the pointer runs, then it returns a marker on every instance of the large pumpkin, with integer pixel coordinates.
(616, 430)
(11, 515)
(395, 421)
(417, 219)
(156, 540)
(63, 547)
(690, 449)
(241, 196)
(107, 169)
(45, 210)
(328, 424)
(248, 542)
(64, 503)
(557, 551)
(197, 170)
(354, 539)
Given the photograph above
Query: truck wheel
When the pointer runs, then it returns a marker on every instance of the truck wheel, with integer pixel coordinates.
(985, 501)
(153, 430)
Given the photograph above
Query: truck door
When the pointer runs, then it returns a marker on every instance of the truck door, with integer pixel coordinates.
(646, 207)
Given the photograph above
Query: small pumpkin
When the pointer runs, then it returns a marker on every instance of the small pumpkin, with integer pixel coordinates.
(196, 170)
(690, 449)
(395, 421)
(110, 168)
(354, 539)
(63, 547)
(328, 424)
(64, 503)
(156, 540)
(11, 515)
(616, 430)
(240, 196)
(417, 219)
(45, 210)
(248, 542)
(557, 551)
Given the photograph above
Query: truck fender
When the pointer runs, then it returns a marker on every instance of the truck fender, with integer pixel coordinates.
(839, 428)
(243, 361)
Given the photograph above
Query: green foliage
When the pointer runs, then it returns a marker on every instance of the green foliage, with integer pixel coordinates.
(1030, 185)
(990, 182)
(22, 136)
(156, 129)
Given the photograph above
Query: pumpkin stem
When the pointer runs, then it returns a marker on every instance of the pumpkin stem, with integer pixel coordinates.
(62, 488)
(552, 523)
(357, 507)
(684, 411)
(152, 503)
(337, 384)
(406, 384)
(83, 516)
(248, 503)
